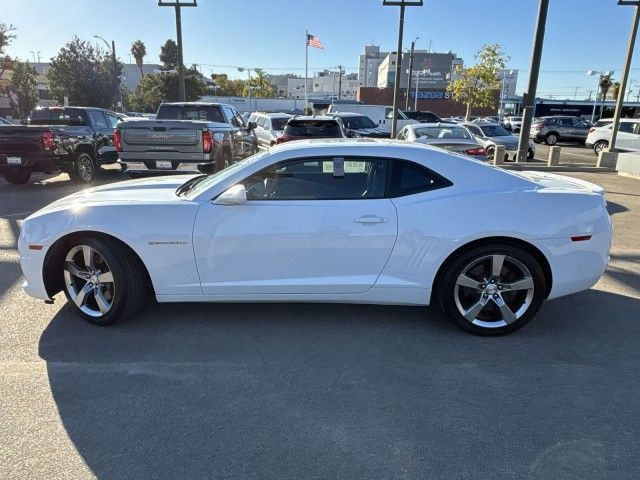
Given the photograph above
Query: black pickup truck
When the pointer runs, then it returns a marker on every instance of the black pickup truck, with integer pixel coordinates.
(75, 140)
(185, 137)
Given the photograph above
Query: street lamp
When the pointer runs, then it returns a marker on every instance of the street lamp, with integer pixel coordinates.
(410, 71)
(591, 73)
(504, 74)
(116, 81)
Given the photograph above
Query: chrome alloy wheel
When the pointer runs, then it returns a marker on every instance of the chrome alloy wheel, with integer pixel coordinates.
(89, 280)
(494, 291)
(86, 168)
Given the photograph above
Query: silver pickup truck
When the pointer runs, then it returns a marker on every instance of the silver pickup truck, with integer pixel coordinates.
(185, 137)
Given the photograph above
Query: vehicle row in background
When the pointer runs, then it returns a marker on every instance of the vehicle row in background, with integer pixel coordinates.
(628, 139)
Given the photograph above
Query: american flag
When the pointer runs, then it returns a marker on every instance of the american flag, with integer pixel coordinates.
(314, 41)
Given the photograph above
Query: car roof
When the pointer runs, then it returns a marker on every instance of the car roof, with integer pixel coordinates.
(347, 114)
(313, 117)
(433, 124)
(196, 104)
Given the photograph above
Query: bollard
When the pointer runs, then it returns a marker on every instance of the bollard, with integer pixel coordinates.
(554, 156)
(498, 155)
(608, 159)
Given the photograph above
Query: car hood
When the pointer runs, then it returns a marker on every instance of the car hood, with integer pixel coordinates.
(560, 182)
(147, 190)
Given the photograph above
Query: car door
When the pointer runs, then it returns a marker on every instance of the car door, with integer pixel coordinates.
(580, 129)
(309, 226)
(244, 138)
(103, 131)
(626, 137)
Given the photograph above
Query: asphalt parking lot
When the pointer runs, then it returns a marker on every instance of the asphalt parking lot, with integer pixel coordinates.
(321, 391)
(570, 154)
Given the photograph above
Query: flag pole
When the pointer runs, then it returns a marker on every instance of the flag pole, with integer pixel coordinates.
(306, 67)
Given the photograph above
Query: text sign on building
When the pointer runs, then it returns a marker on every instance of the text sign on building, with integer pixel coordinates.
(434, 68)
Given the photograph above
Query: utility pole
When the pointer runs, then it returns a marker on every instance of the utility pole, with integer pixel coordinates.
(413, 44)
(178, 5)
(396, 86)
(529, 97)
(625, 71)
(114, 66)
(339, 81)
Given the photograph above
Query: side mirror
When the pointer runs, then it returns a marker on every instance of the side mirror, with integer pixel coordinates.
(351, 134)
(235, 195)
(252, 125)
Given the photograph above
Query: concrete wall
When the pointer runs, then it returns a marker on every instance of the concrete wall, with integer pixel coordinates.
(629, 164)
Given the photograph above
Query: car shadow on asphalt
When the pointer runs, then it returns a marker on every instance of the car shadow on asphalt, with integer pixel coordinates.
(347, 391)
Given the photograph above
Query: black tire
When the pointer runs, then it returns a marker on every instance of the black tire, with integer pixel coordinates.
(130, 283)
(551, 138)
(535, 140)
(490, 152)
(84, 170)
(600, 146)
(490, 321)
(530, 154)
(18, 176)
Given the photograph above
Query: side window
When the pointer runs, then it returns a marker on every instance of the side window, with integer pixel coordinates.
(408, 178)
(259, 121)
(97, 119)
(475, 130)
(228, 113)
(636, 128)
(320, 179)
(402, 135)
(267, 124)
(112, 119)
(626, 127)
(75, 117)
(237, 120)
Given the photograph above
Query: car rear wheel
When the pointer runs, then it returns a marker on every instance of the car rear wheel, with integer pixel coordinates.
(19, 176)
(84, 169)
(600, 146)
(530, 154)
(103, 282)
(551, 139)
(492, 289)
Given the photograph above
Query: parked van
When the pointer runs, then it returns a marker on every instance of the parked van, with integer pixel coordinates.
(380, 114)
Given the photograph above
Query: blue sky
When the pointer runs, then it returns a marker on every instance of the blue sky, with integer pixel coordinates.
(581, 34)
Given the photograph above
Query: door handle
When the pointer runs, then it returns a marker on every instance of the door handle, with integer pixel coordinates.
(369, 219)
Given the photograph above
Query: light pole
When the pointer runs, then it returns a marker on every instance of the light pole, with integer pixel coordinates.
(178, 5)
(410, 71)
(116, 81)
(396, 86)
(242, 69)
(504, 74)
(415, 105)
(625, 71)
(591, 73)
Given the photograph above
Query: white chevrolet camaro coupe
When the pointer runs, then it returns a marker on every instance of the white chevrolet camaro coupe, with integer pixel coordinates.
(356, 221)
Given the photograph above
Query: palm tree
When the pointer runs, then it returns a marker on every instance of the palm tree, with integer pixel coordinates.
(605, 85)
(138, 50)
(615, 90)
(261, 84)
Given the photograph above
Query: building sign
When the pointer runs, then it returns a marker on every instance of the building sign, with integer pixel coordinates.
(432, 95)
(434, 68)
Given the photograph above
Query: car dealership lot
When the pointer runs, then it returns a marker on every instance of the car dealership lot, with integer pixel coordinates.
(324, 391)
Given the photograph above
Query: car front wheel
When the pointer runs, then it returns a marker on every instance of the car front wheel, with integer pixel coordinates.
(84, 169)
(492, 289)
(103, 281)
(551, 139)
(600, 146)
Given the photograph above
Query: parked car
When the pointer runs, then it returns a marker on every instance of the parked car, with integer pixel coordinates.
(4, 122)
(422, 116)
(358, 125)
(454, 138)
(269, 127)
(602, 122)
(513, 124)
(75, 140)
(627, 140)
(553, 129)
(301, 127)
(185, 137)
(491, 134)
(452, 120)
(343, 221)
(380, 114)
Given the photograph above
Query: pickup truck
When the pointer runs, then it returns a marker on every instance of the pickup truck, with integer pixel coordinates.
(75, 140)
(185, 137)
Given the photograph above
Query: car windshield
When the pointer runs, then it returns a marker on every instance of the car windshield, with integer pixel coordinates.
(210, 113)
(494, 131)
(448, 131)
(313, 128)
(196, 185)
(279, 123)
(358, 122)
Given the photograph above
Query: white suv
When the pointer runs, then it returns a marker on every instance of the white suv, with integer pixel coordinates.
(269, 127)
(628, 136)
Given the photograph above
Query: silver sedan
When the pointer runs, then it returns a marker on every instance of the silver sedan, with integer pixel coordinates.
(451, 137)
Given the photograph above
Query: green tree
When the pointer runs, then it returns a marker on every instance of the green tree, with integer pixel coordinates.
(6, 62)
(605, 85)
(477, 86)
(139, 51)
(225, 87)
(156, 88)
(169, 55)
(24, 86)
(84, 74)
(260, 86)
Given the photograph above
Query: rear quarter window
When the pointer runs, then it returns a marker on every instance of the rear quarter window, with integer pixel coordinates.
(408, 178)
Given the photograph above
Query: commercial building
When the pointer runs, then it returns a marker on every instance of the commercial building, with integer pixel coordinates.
(435, 69)
(335, 84)
(370, 61)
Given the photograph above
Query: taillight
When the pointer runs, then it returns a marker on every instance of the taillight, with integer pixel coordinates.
(117, 140)
(207, 141)
(538, 126)
(48, 141)
(475, 151)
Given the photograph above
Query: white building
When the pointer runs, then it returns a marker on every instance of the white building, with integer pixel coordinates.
(370, 61)
(335, 84)
(295, 87)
